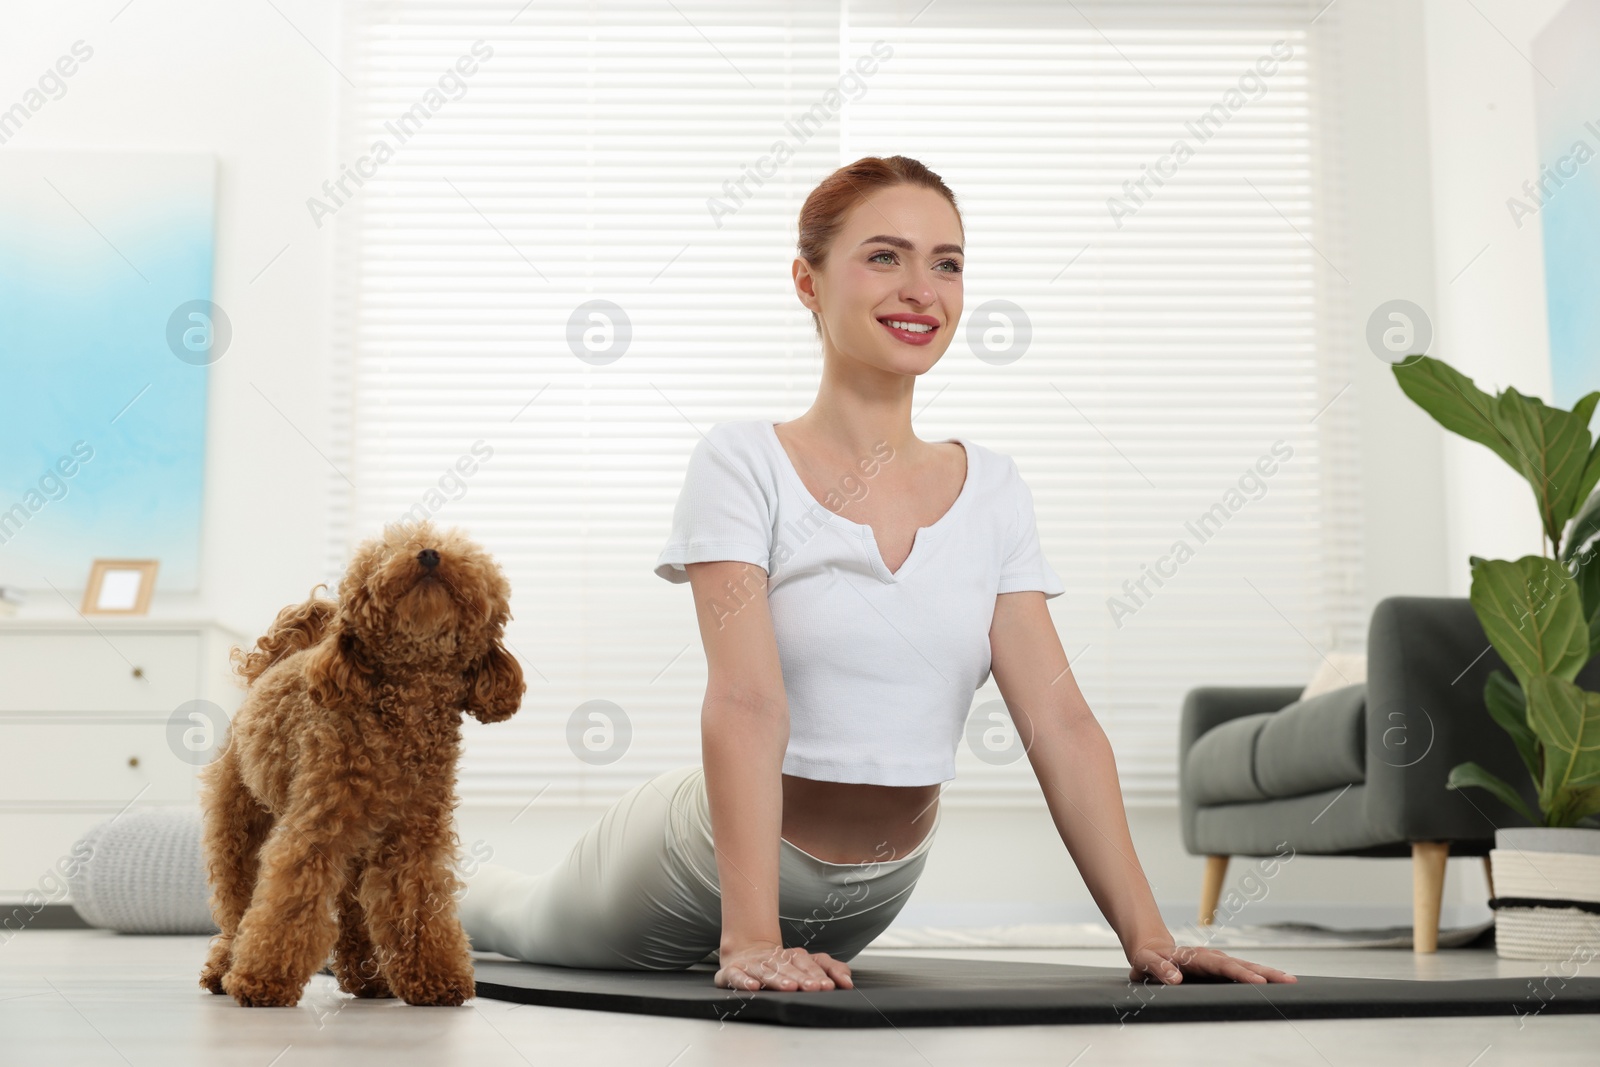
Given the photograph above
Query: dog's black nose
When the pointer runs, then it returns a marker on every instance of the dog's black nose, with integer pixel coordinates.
(428, 558)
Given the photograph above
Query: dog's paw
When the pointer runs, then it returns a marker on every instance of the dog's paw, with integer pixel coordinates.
(253, 992)
(211, 979)
(373, 991)
(216, 966)
(365, 988)
(441, 992)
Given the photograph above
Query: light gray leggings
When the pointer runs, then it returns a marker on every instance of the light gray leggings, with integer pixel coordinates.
(639, 891)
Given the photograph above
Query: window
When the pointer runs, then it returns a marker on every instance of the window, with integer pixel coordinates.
(1147, 203)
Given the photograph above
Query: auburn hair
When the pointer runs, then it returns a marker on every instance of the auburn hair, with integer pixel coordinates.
(822, 215)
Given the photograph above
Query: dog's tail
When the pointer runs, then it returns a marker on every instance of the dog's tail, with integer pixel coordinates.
(297, 626)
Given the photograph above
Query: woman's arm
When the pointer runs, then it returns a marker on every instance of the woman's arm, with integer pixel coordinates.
(744, 730)
(1076, 769)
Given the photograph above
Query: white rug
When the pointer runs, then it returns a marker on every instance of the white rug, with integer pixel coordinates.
(1100, 935)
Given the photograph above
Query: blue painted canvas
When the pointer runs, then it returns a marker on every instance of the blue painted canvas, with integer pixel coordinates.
(106, 336)
(1566, 193)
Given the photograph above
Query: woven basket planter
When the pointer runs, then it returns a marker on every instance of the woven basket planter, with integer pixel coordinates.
(1547, 892)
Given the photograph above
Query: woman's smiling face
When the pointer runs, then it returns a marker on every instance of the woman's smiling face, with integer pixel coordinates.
(898, 259)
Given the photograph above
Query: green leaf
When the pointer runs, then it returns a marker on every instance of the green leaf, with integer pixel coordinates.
(1567, 720)
(1586, 523)
(1465, 774)
(1587, 576)
(1532, 612)
(1551, 447)
(1583, 562)
(1584, 410)
(1589, 479)
(1578, 805)
(1588, 806)
(1455, 403)
(1503, 697)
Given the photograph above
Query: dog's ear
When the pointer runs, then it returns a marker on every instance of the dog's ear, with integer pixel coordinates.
(336, 675)
(494, 684)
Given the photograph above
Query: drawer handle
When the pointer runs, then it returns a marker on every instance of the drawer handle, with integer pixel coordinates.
(138, 672)
(133, 761)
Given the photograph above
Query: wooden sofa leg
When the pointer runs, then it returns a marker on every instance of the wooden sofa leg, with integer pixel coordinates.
(1427, 891)
(1211, 887)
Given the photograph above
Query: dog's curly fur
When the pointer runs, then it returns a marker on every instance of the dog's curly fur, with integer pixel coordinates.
(328, 821)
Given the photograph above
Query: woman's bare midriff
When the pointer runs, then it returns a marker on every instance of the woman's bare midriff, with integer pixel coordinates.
(847, 822)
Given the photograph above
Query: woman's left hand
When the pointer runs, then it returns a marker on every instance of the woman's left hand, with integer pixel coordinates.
(1168, 963)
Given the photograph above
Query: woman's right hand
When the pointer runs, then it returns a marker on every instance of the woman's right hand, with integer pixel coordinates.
(768, 965)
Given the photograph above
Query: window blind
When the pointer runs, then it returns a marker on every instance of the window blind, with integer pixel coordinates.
(568, 255)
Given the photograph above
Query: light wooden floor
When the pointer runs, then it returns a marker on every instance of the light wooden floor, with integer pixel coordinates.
(89, 997)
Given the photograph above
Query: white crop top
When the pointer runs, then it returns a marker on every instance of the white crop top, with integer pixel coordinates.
(879, 668)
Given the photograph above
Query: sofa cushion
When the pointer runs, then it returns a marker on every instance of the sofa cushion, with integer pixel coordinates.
(1308, 746)
(1220, 765)
(1315, 744)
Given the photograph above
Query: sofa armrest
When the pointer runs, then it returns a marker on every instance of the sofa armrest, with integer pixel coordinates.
(1207, 707)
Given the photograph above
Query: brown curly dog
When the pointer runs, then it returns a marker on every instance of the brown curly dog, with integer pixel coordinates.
(328, 823)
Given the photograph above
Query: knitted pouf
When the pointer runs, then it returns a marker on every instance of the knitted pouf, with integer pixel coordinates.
(145, 874)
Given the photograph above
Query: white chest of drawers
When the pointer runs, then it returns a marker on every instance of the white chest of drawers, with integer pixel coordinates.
(85, 730)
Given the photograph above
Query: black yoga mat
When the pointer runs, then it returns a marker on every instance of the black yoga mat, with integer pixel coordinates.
(941, 991)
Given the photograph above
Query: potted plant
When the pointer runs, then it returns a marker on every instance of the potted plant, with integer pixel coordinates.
(1542, 615)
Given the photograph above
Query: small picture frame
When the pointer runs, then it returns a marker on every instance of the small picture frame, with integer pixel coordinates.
(120, 587)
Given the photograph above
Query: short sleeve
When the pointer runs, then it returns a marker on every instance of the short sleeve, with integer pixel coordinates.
(722, 511)
(1024, 566)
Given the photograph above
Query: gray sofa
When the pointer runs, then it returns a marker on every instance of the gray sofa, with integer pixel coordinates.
(1361, 770)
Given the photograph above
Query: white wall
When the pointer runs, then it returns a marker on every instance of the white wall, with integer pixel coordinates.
(1491, 310)
(1437, 132)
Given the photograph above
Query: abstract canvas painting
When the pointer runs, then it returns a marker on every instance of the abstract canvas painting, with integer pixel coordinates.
(107, 332)
(1566, 193)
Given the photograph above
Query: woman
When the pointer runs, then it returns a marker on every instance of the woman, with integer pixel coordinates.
(854, 586)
